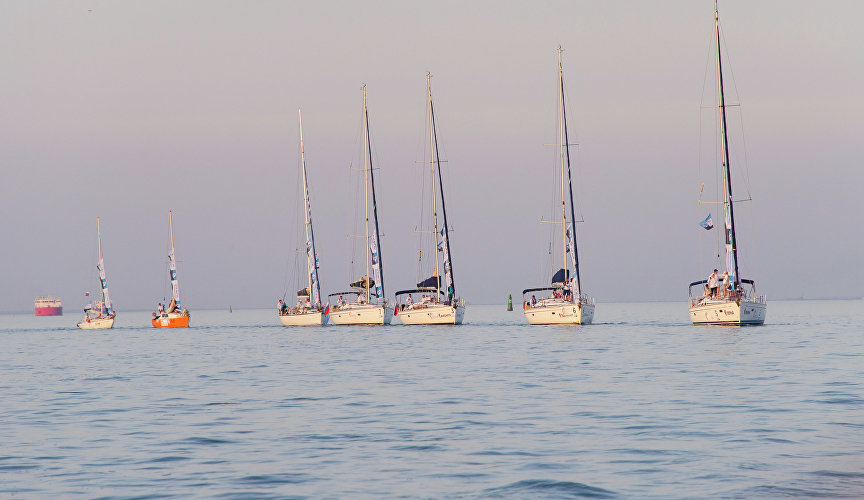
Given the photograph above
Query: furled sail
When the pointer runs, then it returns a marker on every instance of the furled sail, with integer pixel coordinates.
(175, 286)
(311, 255)
(376, 266)
(106, 302)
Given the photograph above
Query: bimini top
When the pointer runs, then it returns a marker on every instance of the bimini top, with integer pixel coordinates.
(349, 292)
(420, 290)
(749, 282)
(539, 289)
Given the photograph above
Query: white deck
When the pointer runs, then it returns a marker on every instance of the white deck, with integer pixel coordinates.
(559, 312)
(355, 313)
(432, 314)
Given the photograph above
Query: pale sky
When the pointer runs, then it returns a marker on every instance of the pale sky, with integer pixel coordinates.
(125, 110)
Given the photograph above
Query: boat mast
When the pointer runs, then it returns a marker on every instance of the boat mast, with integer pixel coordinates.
(565, 144)
(448, 264)
(366, 156)
(172, 269)
(727, 203)
(434, 201)
(377, 260)
(311, 255)
(103, 280)
(561, 143)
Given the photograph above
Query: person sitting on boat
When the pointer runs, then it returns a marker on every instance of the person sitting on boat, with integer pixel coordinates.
(341, 301)
(161, 309)
(410, 302)
(533, 301)
(362, 299)
(712, 284)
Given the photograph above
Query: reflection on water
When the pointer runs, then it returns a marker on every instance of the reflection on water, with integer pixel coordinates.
(641, 404)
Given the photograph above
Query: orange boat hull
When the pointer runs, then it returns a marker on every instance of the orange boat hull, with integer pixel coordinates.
(181, 322)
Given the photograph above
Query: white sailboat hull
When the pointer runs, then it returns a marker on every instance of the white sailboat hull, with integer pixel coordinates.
(560, 314)
(729, 312)
(438, 314)
(97, 323)
(361, 314)
(310, 318)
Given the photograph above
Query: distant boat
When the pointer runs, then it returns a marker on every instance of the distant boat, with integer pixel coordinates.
(174, 316)
(564, 302)
(434, 306)
(309, 310)
(369, 304)
(737, 303)
(48, 306)
(101, 315)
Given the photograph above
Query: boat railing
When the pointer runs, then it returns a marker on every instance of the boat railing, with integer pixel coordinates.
(552, 295)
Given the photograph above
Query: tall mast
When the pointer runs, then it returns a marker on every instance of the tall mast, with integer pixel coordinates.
(311, 255)
(562, 141)
(172, 270)
(103, 280)
(727, 203)
(366, 182)
(99, 237)
(566, 147)
(434, 194)
(450, 282)
(375, 245)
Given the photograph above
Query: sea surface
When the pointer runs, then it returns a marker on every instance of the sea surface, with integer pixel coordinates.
(640, 405)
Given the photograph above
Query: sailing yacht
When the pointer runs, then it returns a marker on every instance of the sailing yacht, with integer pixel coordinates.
(174, 316)
(736, 303)
(309, 311)
(369, 304)
(434, 305)
(101, 317)
(564, 302)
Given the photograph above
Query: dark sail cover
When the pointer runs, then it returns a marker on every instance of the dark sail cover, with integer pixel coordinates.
(560, 277)
(363, 283)
(430, 282)
(303, 293)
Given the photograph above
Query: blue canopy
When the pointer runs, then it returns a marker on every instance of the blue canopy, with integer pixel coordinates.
(561, 277)
(430, 282)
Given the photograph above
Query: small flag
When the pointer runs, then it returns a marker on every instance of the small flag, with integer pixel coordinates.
(87, 294)
(707, 223)
(396, 310)
(327, 311)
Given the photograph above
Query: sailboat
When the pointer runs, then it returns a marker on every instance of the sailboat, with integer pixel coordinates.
(434, 306)
(734, 302)
(174, 316)
(309, 311)
(564, 302)
(369, 304)
(102, 314)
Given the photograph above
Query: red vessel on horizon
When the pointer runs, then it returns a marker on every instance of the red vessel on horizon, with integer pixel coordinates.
(48, 306)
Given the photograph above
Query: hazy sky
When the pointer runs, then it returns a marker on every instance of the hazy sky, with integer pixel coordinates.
(125, 109)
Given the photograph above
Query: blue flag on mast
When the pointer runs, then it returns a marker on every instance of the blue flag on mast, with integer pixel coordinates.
(707, 223)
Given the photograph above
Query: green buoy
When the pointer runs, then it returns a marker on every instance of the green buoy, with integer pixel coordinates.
(509, 301)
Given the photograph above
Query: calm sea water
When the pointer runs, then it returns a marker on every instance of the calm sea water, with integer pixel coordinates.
(640, 405)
